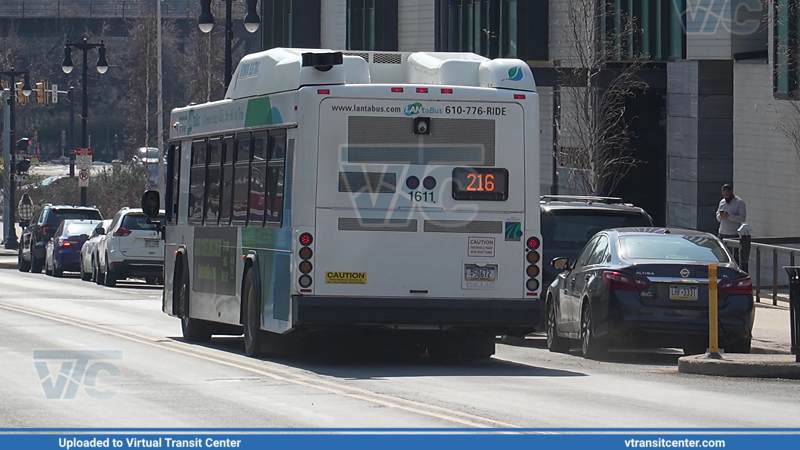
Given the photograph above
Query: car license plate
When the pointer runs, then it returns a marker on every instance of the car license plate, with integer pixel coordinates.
(151, 243)
(476, 273)
(677, 292)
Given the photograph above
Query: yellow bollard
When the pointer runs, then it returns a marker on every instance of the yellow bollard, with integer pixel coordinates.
(713, 314)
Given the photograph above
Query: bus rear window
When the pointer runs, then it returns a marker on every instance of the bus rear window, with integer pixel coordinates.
(571, 230)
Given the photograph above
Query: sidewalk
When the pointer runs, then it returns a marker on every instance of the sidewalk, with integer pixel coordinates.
(771, 333)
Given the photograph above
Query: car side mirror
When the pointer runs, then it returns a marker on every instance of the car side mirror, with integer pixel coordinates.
(101, 231)
(560, 263)
(24, 224)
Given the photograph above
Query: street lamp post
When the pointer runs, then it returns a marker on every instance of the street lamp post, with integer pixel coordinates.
(206, 23)
(12, 242)
(102, 67)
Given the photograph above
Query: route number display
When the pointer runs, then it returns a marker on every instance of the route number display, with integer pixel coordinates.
(474, 183)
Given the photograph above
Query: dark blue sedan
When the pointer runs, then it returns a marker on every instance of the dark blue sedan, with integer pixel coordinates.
(648, 288)
(63, 251)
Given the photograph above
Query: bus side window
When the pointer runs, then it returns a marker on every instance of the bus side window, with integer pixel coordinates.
(241, 180)
(197, 183)
(173, 184)
(213, 204)
(226, 201)
(258, 179)
(275, 175)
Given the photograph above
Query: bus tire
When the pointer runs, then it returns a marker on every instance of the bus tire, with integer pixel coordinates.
(194, 330)
(251, 322)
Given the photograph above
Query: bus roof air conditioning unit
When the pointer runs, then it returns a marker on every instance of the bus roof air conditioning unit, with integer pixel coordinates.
(322, 61)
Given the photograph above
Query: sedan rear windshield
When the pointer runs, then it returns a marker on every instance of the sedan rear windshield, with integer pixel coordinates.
(571, 230)
(691, 248)
(135, 222)
(76, 229)
(56, 216)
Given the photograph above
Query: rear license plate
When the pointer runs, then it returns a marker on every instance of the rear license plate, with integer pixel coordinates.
(476, 273)
(683, 292)
(151, 243)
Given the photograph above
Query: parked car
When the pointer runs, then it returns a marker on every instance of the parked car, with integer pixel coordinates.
(63, 250)
(132, 248)
(88, 251)
(37, 232)
(648, 288)
(568, 222)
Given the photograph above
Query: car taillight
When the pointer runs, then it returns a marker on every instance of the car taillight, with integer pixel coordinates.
(122, 232)
(741, 286)
(617, 281)
(64, 243)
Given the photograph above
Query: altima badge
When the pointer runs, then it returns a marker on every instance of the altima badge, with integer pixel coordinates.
(684, 273)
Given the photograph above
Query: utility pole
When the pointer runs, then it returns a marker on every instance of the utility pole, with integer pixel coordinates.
(160, 110)
(11, 241)
(6, 159)
(71, 132)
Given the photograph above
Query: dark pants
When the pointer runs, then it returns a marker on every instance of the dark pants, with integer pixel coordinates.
(735, 249)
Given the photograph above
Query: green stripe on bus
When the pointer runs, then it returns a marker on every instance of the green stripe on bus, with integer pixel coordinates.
(259, 112)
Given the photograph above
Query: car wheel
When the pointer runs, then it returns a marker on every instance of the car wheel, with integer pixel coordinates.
(36, 264)
(84, 275)
(100, 279)
(194, 330)
(743, 346)
(555, 343)
(109, 278)
(22, 265)
(591, 347)
(57, 271)
(252, 317)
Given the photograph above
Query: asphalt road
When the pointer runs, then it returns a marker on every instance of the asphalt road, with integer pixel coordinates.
(164, 382)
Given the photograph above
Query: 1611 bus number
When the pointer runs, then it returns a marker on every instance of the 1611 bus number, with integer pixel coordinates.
(421, 196)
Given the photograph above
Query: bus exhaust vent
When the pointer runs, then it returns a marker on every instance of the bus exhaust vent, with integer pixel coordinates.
(387, 58)
(349, 224)
(360, 55)
(457, 226)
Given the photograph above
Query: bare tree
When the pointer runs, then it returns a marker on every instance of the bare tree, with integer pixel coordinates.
(600, 75)
(787, 109)
(205, 80)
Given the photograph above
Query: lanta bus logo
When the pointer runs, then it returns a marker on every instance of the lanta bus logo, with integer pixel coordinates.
(417, 108)
(514, 74)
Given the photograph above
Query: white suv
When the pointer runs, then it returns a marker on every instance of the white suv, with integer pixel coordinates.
(131, 248)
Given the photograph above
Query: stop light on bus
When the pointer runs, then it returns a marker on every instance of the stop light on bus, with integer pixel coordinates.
(22, 99)
(41, 92)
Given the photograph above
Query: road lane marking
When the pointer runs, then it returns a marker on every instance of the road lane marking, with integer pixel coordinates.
(277, 374)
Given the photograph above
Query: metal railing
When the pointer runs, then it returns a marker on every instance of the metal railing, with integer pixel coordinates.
(767, 256)
(109, 9)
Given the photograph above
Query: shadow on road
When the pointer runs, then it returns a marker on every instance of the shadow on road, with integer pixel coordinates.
(621, 355)
(365, 362)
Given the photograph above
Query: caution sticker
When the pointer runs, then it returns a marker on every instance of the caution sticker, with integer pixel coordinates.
(345, 277)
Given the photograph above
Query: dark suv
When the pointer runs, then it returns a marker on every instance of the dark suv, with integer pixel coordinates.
(38, 231)
(569, 222)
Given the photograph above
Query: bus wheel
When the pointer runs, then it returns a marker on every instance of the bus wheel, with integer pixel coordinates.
(252, 316)
(194, 330)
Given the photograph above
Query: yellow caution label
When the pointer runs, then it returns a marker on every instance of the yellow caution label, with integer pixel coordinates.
(345, 277)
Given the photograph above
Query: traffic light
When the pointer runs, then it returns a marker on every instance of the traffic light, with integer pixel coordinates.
(41, 92)
(22, 99)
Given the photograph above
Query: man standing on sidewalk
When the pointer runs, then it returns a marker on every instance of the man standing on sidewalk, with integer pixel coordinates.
(731, 214)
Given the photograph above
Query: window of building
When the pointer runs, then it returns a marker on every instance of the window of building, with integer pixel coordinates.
(258, 178)
(226, 196)
(372, 25)
(786, 47)
(651, 28)
(291, 23)
(492, 28)
(197, 183)
(213, 181)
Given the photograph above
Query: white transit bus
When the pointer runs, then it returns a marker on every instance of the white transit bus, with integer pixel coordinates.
(335, 190)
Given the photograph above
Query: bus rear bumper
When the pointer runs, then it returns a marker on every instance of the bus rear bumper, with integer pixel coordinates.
(504, 316)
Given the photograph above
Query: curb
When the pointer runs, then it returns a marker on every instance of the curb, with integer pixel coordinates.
(8, 265)
(757, 350)
(741, 366)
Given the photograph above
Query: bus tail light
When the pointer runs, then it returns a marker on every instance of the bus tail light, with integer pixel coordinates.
(447, 91)
(422, 90)
(306, 266)
(533, 257)
(323, 91)
(519, 97)
(397, 90)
